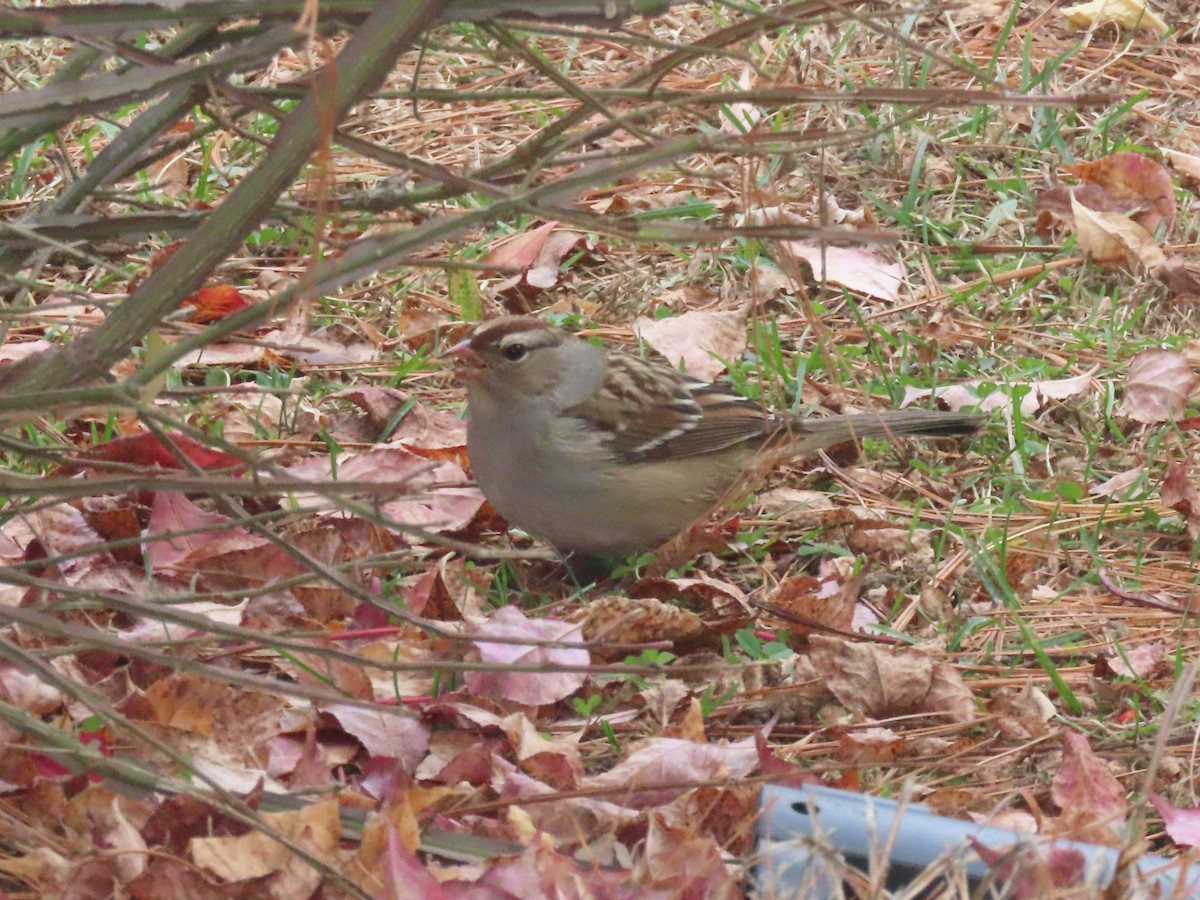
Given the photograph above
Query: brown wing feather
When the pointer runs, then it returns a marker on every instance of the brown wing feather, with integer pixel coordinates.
(673, 423)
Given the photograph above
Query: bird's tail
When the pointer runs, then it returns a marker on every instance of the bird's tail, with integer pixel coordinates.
(812, 433)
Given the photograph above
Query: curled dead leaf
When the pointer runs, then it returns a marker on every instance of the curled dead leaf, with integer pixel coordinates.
(1157, 387)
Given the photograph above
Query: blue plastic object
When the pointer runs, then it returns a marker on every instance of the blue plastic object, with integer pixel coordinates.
(854, 825)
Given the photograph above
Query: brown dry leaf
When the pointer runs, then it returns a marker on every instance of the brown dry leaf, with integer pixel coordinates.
(1053, 206)
(1128, 14)
(1186, 164)
(613, 619)
(386, 471)
(698, 340)
(858, 270)
(1142, 661)
(213, 303)
(869, 747)
(225, 353)
(1112, 238)
(15, 351)
(520, 250)
(1157, 387)
(1119, 486)
(1091, 799)
(28, 692)
(169, 175)
(569, 818)
(530, 688)
(430, 432)
(870, 679)
(1180, 275)
(1179, 494)
(186, 702)
(379, 403)
(316, 827)
(683, 863)
(883, 541)
(671, 761)
(1133, 177)
(828, 600)
(554, 761)
(325, 349)
(703, 590)
(1031, 871)
(949, 695)
(1021, 715)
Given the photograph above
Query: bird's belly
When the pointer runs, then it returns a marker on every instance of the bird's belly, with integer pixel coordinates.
(579, 500)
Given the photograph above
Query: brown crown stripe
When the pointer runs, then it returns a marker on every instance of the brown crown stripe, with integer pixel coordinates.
(491, 332)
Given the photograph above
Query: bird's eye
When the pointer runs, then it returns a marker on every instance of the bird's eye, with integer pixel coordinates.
(515, 352)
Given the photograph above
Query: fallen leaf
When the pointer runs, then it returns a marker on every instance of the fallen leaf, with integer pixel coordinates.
(850, 267)
(1179, 494)
(530, 688)
(949, 695)
(175, 512)
(1040, 393)
(701, 341)
(149, 449)
(1031, 872)
(17, 350)
(1186, 164)
(1183, 825)
(613, 619)
(1141, 661)
(826, 601)
(1132, 177)
(869, 747)
(1180, 275)
(1129, 14)
(536, 254)
(870, 679)
(1112, 238)
(1157, 386)
(1091, 799)
(210, 304)
(255, 855)
(395, 733)
(652, 772)
(1119, 487)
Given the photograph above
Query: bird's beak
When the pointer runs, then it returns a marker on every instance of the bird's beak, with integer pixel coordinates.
(466, 361)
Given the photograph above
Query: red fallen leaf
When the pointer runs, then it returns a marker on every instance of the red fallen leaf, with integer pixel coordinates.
(161, 255)
(1053, 206)
(49, 767)
(406, 876)
(535, 254)
(146, 449)
(175, 512)
(520, 251)
(210, 304)
(1183, 825)
(1132, 176)
(1091, 799)
(780, 771)
(1031, 872)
